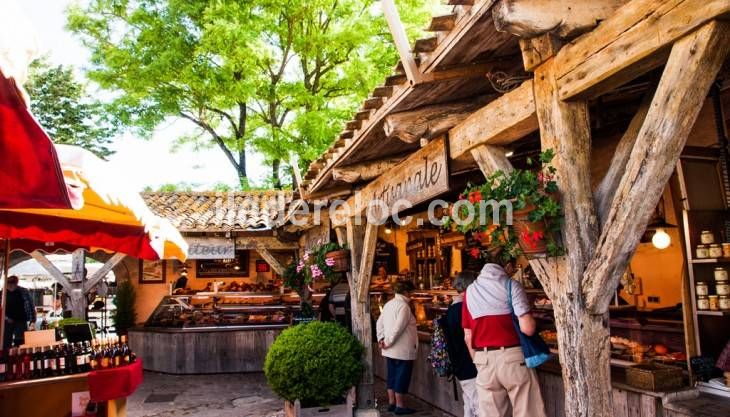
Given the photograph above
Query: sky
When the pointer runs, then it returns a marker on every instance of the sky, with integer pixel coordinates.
(144, 162)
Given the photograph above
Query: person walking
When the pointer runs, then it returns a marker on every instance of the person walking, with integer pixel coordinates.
(461, 362)
(489, 332)
(18, 312)
(398, 340)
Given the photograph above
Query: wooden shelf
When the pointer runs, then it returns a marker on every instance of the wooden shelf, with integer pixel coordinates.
(711, 261)
(713, 313)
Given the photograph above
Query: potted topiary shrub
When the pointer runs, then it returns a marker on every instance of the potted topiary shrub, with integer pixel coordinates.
(313, 367)
(125, 315)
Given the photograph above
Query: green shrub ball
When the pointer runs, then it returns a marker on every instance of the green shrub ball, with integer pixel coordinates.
(315, 363)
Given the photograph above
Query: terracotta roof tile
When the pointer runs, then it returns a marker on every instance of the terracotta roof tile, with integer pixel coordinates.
(219, 211)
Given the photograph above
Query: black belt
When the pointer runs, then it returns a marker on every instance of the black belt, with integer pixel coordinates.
(491, 348)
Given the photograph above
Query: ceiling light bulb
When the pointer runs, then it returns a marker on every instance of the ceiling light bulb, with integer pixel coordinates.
(661, 239)
(388, 230)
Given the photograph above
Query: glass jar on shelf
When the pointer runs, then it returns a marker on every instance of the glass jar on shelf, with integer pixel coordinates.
(724, 302)
(720, 274)
(703, 303)
(714, 301)
(726, 250)
(722, 288)
(715, 251)
(707, 237)
(702, 252)
(701, 288)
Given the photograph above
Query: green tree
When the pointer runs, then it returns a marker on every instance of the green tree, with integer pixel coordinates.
(278, 75)
(66, 111)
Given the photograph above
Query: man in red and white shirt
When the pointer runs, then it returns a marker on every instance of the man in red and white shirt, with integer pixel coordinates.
(490, 334)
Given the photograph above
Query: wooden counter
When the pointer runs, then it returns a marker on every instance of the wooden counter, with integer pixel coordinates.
(50, 397)
(204, 350)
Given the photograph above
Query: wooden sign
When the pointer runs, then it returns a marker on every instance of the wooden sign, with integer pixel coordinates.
(422, 176)
(211, 248)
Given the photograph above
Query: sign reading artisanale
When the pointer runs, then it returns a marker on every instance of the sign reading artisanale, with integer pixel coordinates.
(421, 177)
(211, 248)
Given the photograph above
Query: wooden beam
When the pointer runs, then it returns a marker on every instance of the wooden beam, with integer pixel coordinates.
(383, 91)
(365, 270)
(460, 2)
(564, 18)
(363, 115)
(78, 265)
(466, 71)
(429, 121)
(607, 188)
(494, 158)
(537, 50)
(692, 66)
(565, 128)
(635, 40)
(353, 124)
(442, 23)
(395, 79)
(268, 242)
(401, 41)
(373, 104)
(500, 122)
(425, 45)
(51, 269)
(103, 271)
(271, 260)
(364, 171)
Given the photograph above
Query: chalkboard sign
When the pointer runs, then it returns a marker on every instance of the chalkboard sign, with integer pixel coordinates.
(703, 367)
(213, 268)
(385, 256)
(300, 319)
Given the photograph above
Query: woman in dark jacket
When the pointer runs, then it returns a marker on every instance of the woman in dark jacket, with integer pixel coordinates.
(461, 362)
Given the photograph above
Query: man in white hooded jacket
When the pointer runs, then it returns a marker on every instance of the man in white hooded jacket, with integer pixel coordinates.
(398, 339)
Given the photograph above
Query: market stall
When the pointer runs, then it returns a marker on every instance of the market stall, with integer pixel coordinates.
(636, 168)
(228, 297)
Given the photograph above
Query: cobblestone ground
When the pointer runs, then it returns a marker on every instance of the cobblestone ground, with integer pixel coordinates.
(230, 395)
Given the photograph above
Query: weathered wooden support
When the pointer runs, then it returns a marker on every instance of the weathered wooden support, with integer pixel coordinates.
(363, 115)
(607, 188)
(428, 121)
(504, 120)
(583, 338)
(100, 273)
(364, 171)
(491, 159)
(635, 40)
(564, 18)
(692, 66)
(360, 305)
(271, 260)
(353, 124)
(366, 262)
(537, 50)
(269, 242)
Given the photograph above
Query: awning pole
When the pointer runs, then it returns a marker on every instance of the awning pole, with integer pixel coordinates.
(6, 268)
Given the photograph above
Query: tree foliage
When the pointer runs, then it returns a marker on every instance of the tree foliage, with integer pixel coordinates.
(65, 110)
(277, 76)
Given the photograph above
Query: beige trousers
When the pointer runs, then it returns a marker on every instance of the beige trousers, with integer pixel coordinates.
(503, 379)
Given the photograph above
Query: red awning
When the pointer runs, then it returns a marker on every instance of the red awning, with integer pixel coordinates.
(30, 175)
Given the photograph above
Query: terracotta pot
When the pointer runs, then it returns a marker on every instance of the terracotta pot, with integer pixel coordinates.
(531, 236)
(341, 258)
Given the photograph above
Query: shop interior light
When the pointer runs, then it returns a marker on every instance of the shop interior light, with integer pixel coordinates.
(661, 240)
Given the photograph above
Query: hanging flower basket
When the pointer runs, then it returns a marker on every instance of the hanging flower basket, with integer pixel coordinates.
(531, 235)
(340, 260)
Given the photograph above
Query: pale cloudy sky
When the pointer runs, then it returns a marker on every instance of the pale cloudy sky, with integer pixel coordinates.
(143, 162)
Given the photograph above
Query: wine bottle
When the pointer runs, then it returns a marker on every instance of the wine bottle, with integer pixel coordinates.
(105, 355)
(60, 360)
(126, 353)
(50, 361)
(117, 354)
(93, 363)
(38, 363)
(26, 364)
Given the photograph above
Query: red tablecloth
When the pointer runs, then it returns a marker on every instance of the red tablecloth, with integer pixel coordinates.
(111, 384)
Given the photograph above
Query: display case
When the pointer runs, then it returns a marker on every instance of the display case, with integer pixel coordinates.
(212, 310)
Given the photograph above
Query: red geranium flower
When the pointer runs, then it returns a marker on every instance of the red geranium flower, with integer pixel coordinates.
(475, 253)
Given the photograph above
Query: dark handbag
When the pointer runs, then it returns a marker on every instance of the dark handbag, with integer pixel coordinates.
(535, 349)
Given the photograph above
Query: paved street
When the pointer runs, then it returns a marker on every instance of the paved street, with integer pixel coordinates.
(239, 395)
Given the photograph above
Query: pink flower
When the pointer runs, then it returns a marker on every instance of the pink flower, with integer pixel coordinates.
(300, 266)
(316, 272)
(305, 257)
(329, 261)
